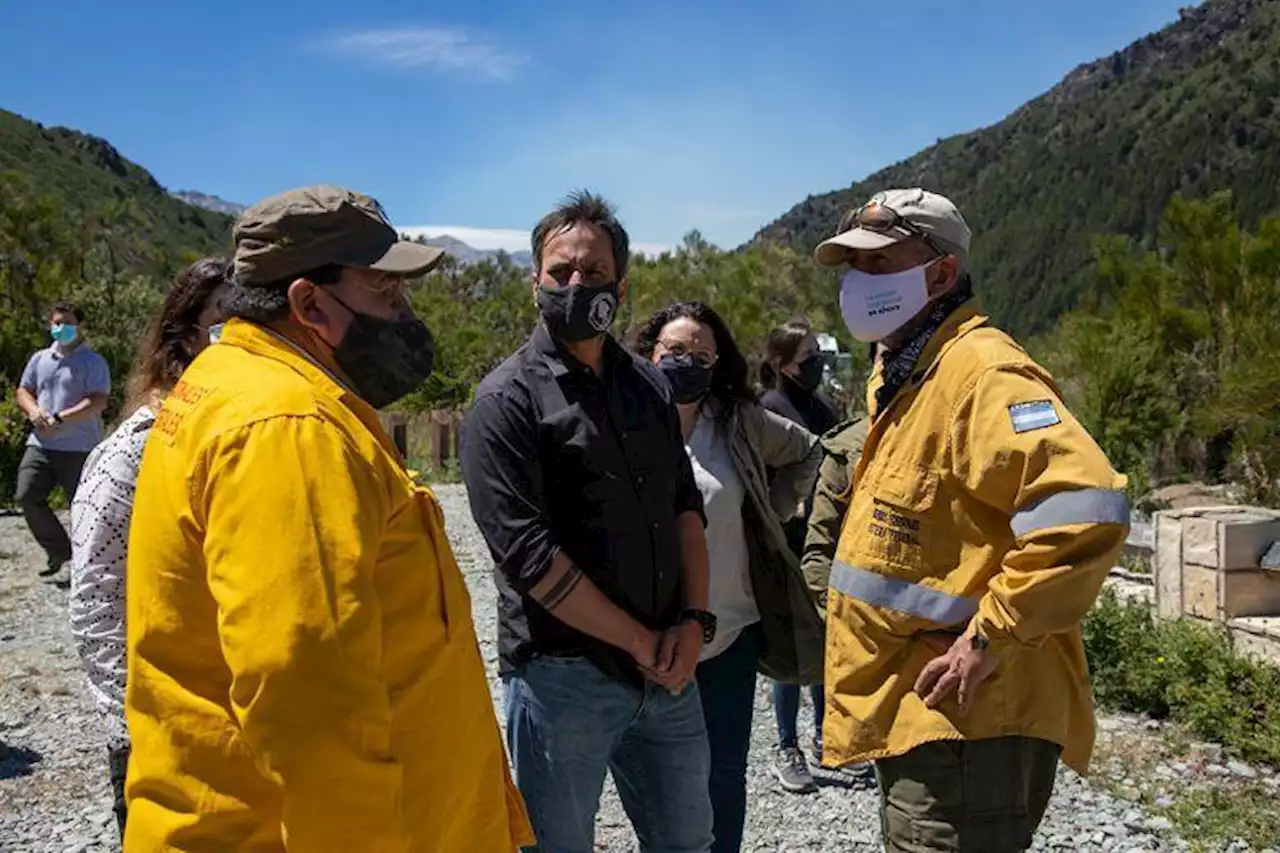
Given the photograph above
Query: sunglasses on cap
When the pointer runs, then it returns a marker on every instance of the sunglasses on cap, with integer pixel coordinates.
(874, 216)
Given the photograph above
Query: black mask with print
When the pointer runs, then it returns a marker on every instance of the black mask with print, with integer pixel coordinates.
(577, 312)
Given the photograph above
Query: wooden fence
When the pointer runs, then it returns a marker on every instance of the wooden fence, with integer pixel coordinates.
(429, 438)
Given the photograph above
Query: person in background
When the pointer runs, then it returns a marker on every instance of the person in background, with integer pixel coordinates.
(753, 468)
(980, 526)
(842, 448)
(63, 393)
(303, 667)
(791, 374)
(579, 481)
(103, 504)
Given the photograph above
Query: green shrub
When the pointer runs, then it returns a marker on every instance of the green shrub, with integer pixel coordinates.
(1184, 671)
(13, 440)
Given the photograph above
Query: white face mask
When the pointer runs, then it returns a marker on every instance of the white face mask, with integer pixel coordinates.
(876, 306)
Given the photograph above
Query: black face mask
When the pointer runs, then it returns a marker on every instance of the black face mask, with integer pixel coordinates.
(809, 376)
(689, 380)
(577, 312)
(384, 359)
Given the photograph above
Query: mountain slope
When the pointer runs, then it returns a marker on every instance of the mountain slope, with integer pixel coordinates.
(209, 202)
(93, 179)
(1192, 109)
(466, 254)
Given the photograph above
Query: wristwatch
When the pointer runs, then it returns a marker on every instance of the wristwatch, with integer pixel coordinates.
(704, 618)
(57, 416)
(978, 642)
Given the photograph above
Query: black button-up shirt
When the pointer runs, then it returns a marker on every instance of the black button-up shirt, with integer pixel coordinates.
(558, 458)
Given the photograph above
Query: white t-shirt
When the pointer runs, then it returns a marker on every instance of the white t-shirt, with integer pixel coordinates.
(732, 598)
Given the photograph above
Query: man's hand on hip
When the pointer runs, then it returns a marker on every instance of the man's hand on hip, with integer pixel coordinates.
(959, 668)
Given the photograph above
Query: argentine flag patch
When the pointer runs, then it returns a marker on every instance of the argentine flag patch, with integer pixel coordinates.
(1035, 415)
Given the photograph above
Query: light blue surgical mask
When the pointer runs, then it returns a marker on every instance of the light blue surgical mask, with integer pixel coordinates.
(63, 333)
(215, 332)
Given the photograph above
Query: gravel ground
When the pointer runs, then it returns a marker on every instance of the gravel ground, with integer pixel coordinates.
(54, 794)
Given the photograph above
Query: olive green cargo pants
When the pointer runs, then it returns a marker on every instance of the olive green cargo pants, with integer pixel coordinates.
(982, 796)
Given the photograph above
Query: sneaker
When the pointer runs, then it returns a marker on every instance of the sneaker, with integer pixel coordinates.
(52, 568)
(793, 771)
(849, 776)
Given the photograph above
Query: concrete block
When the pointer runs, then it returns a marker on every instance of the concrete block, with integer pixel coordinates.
(1213, 594)
(1251, 592)
(1231, 540)
(1166, 564)
(1258, 637)
(1259, 648)
(1242, 543)
(1200, 541)
(1200, 591)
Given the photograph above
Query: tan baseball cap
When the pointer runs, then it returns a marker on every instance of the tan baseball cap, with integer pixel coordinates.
(900, 214)
(299, 230)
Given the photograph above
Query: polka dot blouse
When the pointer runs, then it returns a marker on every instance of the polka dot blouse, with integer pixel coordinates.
(100, 517)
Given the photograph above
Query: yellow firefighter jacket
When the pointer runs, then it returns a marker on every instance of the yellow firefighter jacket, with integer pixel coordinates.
(979, 504)
(303, 667)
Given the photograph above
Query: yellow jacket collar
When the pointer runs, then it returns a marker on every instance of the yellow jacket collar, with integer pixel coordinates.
(261, 341)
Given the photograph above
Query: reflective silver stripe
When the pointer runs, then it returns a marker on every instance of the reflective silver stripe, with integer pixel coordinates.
(1081, 506)
(902, 596)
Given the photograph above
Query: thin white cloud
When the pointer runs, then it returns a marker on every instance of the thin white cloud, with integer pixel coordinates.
(507, 239)
(441, 47)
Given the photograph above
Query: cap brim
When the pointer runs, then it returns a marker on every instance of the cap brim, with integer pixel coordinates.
(835, 251)
(406, 257)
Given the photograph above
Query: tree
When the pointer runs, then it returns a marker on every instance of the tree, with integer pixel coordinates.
(1174, 360)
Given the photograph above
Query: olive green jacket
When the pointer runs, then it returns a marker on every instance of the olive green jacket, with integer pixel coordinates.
(843, 447)
(777, 461)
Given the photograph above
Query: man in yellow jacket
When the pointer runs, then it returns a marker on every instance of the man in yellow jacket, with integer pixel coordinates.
(982, 522)
(303, 668)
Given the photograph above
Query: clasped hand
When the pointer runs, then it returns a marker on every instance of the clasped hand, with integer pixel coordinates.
(669, 658)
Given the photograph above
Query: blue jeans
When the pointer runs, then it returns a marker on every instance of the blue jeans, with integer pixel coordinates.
(727, 685)
(567, 722)
(786, 707)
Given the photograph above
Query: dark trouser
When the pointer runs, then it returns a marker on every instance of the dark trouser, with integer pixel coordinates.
(118, 762)
(38, 473)
(786, 708)
(727, 685)
(981, 796)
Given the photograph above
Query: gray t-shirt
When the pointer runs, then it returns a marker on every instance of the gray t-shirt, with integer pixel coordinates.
(732, 598)
(60, 380)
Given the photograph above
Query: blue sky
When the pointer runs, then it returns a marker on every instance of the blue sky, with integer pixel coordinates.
(714, 115)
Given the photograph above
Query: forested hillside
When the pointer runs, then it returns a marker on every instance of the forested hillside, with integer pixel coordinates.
(1192, 109)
